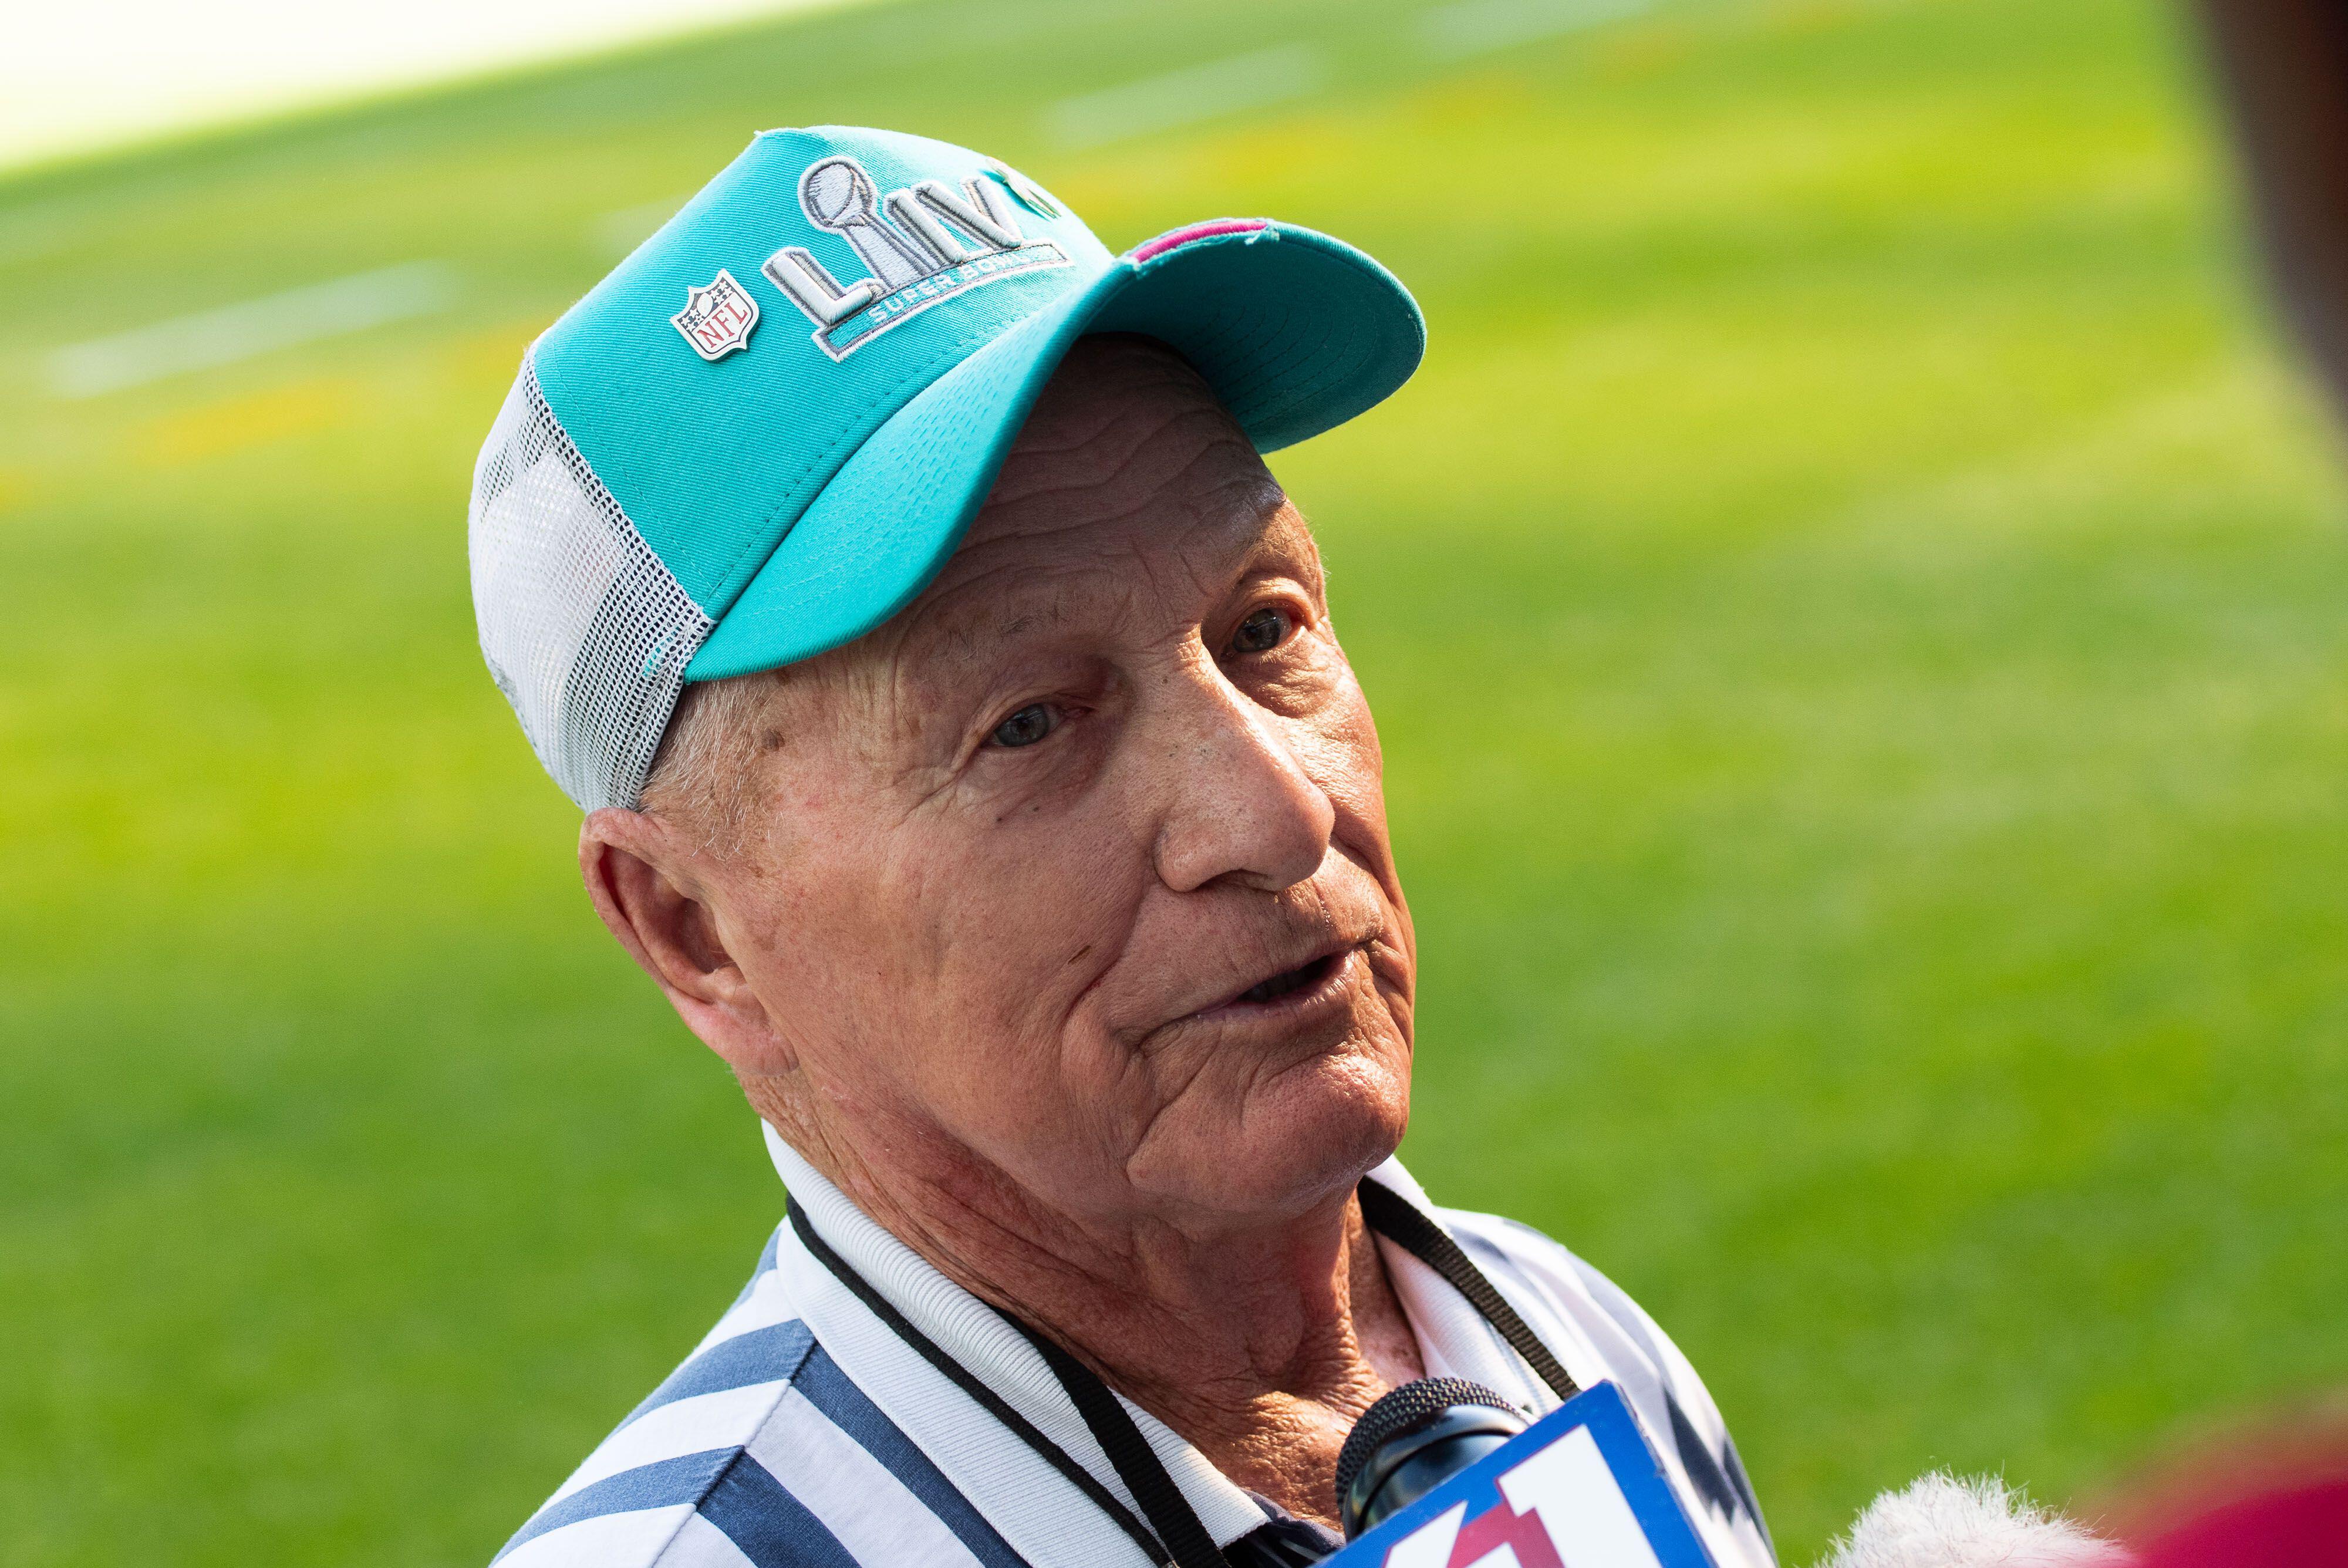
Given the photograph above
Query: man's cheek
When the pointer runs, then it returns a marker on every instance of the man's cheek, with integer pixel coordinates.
(1021, 964)
(1339, 751)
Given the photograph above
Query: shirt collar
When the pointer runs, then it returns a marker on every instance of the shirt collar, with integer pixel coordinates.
(1038, 1511)
(1454, 1340)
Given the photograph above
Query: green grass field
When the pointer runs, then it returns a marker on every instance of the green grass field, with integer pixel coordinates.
(1857, 608)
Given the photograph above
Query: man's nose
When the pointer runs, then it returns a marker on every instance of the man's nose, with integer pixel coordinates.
(1242, 807)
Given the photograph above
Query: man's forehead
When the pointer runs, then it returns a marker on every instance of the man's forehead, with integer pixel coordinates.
(1007, 585)
(1128, 480)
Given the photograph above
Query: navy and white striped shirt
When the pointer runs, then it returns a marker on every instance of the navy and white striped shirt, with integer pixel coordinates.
(804, 1433)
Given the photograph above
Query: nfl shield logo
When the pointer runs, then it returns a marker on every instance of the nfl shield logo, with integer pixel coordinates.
(716, 319)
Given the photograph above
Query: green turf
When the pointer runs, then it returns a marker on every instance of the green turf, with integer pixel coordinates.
(1855, 603)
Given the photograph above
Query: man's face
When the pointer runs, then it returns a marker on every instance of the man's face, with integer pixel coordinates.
(1079, 865)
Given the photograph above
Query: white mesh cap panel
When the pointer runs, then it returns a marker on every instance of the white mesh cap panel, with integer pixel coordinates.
(585, 630)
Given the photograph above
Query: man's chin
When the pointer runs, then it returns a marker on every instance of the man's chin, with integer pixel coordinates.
(1297, 1141)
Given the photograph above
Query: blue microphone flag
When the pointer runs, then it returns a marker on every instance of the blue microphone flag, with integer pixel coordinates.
(1580, 1488)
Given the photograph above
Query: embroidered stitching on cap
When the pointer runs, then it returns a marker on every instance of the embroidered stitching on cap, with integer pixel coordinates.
(933, 243)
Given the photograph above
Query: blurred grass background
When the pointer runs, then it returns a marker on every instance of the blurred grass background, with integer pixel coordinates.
(1854, 603)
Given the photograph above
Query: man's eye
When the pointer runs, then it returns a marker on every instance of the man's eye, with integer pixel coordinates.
(1262, 632)
(1026, 727)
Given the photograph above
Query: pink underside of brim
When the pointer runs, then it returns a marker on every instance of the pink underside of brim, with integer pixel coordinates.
(1167, 242)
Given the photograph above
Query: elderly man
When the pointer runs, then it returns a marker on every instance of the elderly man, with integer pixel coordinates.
(892, 576)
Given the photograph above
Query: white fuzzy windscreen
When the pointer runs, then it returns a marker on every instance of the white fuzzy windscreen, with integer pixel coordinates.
(1940, 1522)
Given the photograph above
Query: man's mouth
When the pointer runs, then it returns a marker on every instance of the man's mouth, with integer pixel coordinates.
(1318, 982)
(1293, 980)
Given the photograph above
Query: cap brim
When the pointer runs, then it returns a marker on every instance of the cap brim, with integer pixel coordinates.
(1294, 332)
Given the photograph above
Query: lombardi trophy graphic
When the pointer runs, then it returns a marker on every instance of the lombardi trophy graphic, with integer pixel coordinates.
(923, 244)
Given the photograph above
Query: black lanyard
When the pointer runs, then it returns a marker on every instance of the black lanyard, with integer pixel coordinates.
(1175, 1536)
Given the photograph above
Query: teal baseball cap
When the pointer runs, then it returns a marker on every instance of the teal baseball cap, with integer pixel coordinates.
(769, 428)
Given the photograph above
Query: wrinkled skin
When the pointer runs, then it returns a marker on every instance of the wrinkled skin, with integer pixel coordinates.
(1010, 866)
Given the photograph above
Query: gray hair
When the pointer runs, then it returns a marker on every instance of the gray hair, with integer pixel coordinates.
(700, 776)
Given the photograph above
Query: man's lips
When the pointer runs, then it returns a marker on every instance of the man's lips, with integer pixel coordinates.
(1298, 987)
(1288, 982)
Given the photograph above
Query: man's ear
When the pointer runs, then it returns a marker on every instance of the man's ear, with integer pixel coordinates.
(640, 874)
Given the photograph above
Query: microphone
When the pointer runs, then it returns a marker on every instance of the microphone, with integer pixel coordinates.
(1414, 1439)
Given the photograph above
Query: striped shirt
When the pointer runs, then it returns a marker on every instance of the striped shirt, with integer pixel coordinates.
(803, 1432)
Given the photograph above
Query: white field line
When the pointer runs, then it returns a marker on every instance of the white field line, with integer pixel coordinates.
(1188, 95)
(253, 327)
(1476, 26)
(622, 231)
